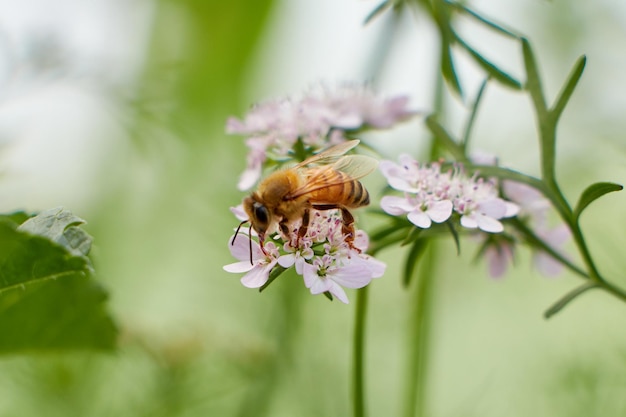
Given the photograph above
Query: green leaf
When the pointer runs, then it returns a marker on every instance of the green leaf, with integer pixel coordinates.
(328, 295)
(490, 68)
(67, 313)
(48, 299)
(569, 86)
(412, 236)
(472, 117)
(490, 24)
(592, 193)
(413, 257)
(17, 217)
(26, 259)
(508, 174)
(60, 226)
(446, 140)
(378, 10)
(455, 236)
(447, 68)
(560, 304)
(533, 82)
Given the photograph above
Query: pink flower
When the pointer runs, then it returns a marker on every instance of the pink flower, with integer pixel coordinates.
(556, 238)
(296, 256)
(531, 202)
(421, 214)
(432, 195)
(318, 119)
(257, 272)
(342, 263)
(325, 275)
(499, 255)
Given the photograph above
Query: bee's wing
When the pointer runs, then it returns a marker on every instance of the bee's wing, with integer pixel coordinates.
(329, 155)
(354, 166)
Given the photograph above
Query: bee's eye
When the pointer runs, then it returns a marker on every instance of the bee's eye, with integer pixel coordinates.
(260, 212)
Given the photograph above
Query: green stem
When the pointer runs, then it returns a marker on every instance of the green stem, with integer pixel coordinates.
(358, 380)
(419, 332)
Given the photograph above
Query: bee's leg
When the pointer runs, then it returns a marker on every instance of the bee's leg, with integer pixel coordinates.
(304, 226)
(347, 227)
(284, 229)
(261, 242)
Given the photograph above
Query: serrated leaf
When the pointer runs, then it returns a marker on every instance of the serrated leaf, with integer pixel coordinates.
(48, 299)
(60, 226)
(569, 86)
(27, 258)
(412, 259)
(592, 193)
(491, 69)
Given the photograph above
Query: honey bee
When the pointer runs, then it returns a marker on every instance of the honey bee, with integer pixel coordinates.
(325, 181)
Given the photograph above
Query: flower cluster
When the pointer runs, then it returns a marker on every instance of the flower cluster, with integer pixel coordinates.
(431, 195)
(323, 257)
(319, 118)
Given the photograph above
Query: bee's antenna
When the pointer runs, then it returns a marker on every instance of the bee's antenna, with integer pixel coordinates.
(249, 238)
(237, 232)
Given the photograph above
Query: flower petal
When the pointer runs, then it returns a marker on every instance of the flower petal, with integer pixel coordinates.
(420, 219)
(238, 267)
(240, 248)
(440, 211)
(489, 224)
(353, 275)
(336, 290)
(320, 285)
(469, 221)
(309, 273)
(377, 268)
(287, 260)
(498, 256)
(258, 276)
(396, 206)
(494, 208)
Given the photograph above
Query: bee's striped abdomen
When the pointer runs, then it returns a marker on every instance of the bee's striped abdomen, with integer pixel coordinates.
(335, 187)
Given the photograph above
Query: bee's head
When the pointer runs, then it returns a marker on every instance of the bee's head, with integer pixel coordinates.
(260, 217)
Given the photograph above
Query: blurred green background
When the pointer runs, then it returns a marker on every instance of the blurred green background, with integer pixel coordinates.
(116, 110)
